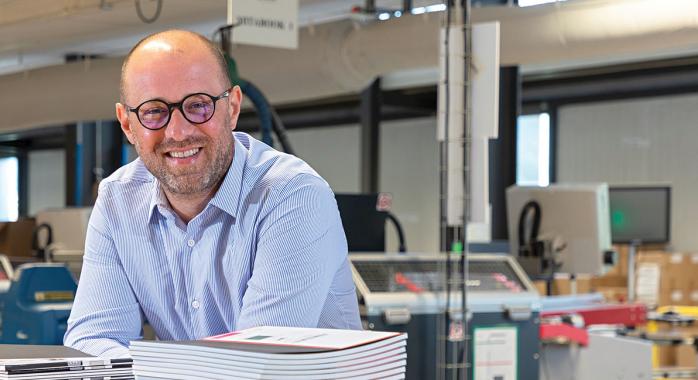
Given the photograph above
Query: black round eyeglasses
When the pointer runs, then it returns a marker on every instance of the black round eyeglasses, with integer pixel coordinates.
(197, 108)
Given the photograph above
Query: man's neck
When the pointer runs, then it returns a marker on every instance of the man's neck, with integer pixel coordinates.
(190, 205)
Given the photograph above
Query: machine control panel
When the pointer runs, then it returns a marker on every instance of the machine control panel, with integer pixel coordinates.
(426, 273)
(419, 282)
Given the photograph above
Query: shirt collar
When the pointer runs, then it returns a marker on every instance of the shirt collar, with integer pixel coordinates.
(157, 198)
(228, 195)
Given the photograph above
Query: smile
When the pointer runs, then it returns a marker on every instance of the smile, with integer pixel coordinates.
(185, 154)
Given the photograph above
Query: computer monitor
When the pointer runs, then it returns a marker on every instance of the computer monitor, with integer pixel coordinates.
(575, 217)
(640, 214)
(363, 224)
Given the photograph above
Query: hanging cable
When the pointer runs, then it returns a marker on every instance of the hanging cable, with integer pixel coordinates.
(443, 174)
(467, 37)
(269, 120)
(147, 20)
(280, 131)
(402, 247)
(263, 110)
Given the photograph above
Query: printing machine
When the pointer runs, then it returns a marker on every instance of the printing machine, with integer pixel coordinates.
(35, 302)
(407, 293)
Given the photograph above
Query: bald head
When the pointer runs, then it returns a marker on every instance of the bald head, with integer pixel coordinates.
(175, 42)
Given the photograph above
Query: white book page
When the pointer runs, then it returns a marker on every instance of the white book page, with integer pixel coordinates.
(303, 337)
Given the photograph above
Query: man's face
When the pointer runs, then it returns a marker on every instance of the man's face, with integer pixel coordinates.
(187, 158)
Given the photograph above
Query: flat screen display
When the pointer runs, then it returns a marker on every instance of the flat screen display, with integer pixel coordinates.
(640, 214)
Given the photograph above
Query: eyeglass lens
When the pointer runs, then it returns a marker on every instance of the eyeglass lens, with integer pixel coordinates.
(197, 108)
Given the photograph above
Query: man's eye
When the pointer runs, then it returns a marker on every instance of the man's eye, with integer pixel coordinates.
(154, 112)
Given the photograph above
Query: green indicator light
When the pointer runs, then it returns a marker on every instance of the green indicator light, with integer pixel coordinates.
(618, 218)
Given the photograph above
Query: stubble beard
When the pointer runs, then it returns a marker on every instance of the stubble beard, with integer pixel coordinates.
(191, 181)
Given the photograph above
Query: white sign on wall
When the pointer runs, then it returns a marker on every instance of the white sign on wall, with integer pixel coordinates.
(272, 23)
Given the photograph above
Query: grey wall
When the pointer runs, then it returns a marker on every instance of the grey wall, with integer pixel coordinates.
(333, 152)
(643, 141)
(409, 170)
(408, 167)
(46, 180)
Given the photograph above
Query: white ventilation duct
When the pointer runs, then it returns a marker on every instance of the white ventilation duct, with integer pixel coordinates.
(342, 57)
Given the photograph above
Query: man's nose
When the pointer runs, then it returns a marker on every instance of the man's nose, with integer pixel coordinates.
(179, 128)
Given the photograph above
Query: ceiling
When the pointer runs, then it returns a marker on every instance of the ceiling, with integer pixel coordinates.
(41, 32)
(338, 54)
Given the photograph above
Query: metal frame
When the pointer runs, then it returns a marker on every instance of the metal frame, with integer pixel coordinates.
(370, 118)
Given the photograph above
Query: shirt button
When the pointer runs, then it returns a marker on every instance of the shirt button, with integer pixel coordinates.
(195, 304)
(191, 243)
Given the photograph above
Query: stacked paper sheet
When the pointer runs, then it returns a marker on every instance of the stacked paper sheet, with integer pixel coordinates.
(276, 353)
(66, 368)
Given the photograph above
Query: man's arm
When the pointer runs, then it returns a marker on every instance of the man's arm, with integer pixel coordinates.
(105, 314)
(300, 247)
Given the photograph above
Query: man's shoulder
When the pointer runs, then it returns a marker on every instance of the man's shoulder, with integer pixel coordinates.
(268, 168)
(130, 177)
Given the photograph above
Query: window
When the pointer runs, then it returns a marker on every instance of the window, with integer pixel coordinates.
(9, 189)
(533, 150)
(529, 3)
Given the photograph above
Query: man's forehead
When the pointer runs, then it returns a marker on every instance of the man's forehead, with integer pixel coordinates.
(165, 46)
(163, 51)
(157, 46)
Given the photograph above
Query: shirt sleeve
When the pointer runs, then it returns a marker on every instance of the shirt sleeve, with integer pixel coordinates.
(105, 315)
(300, 247)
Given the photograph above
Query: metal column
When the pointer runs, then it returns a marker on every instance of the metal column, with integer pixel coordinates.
(93, 151)
(108, 148)
(79, 156)
(23, 178)
(503, 150)
(370, 111)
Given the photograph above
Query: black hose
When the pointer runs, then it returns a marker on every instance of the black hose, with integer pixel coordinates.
(263, 107)
(280, 131)
(147, 20)
(400, 234)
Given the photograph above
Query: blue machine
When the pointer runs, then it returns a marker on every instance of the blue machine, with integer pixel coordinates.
(34, 308)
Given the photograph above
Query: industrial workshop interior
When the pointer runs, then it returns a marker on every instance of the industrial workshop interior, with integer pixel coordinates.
(349, 189)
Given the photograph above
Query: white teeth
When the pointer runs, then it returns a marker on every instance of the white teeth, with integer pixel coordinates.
(185, 154)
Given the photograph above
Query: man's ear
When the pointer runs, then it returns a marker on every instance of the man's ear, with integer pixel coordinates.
(122, 116)
(234, 101)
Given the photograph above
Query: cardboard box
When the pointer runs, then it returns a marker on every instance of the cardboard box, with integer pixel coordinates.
(564, 284)
(666, 356)
(609, 281)
(16, 238)
(622, 250)
(685, 356)
(621, 266)
(663, 278)
(540, 286)
(614, 294)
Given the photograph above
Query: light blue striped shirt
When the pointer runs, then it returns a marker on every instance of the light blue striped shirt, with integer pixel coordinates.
(268, 249)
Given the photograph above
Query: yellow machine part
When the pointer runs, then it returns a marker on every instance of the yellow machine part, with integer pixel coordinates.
(653, 326)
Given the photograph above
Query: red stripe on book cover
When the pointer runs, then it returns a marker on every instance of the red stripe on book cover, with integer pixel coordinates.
(222, 335)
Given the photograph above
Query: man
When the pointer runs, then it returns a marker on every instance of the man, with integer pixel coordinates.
(209, 230)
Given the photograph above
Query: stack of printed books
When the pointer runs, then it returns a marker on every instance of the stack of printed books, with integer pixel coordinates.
(52, 362)
(275, 353)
